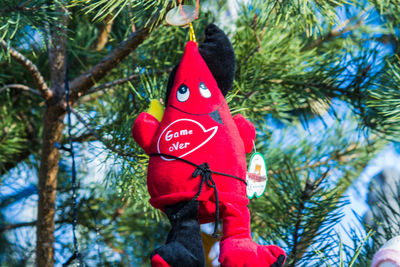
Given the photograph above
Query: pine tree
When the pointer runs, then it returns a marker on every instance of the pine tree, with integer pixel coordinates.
(319, 79)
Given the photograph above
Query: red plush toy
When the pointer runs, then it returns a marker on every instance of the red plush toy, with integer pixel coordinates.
(197, 167)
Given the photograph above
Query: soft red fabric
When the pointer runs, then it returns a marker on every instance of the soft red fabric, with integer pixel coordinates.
(144, 129)
(188, 131)
(157, 261)
(200, 129)
(237, 249)
(247, 131)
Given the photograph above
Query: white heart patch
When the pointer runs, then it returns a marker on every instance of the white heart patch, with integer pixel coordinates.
(182, 137)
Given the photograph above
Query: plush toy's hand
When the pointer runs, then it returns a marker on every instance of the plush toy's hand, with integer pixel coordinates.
(247, 131)
(144, 130)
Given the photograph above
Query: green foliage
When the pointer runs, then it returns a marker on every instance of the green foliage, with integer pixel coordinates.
(296, 67)
(303, 201)
(389, 10)
(17, 127)
(144, 12)
(18, 18)
(108, 227)
(385, 221)
(384, 102)
(12, 134)
(307, 15)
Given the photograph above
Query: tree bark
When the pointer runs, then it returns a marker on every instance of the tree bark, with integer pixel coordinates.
(52, 132)
(29, 66)
(104, 32)
(53, 126)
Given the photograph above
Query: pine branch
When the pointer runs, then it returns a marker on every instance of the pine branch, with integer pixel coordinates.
(111, 84)
(15, 226)
(31, 139)
(98, 137)
(17, 196)
(17, 158)
(104, 32)
(31, 67)
(344, 28)
(20, 8)
(80, 85)
(20, 86)
(87, 126)
(300, 247)
(85, 137)
(339, 156)
(100, 90)
(8, 227)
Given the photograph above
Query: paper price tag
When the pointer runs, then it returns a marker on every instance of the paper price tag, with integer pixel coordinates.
(256, 177)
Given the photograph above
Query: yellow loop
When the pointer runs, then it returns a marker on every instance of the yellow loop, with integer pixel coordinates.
(192, 36)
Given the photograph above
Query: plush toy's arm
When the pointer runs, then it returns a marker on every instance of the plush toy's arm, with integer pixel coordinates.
(247, 132)
(144, 130)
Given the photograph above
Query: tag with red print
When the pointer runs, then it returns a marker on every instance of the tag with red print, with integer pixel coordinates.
(183, 137)
(256, 176)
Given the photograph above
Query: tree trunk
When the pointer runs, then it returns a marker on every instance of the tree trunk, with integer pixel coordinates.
(52, 133)
(53, 124)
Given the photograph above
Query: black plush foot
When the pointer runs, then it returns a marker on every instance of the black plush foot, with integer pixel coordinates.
(176, 255)
(279, 262)
(184, 246)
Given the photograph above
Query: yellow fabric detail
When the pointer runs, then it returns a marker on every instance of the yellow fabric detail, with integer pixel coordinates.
(156, 109)
(192, 36)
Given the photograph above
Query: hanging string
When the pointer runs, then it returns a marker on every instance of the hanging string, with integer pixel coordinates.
(76, 254)
(197, 8)
(192, 36)
(196, 11)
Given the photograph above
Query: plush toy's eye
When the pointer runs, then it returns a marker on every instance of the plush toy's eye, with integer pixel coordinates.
(204, 91)
(183, 93)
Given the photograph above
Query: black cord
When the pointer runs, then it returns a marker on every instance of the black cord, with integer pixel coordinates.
(76, 253)
(94, 216)
(195, 165)
(204, 171)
